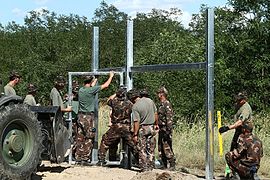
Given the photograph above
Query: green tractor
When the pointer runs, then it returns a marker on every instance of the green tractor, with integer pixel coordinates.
(30, 134)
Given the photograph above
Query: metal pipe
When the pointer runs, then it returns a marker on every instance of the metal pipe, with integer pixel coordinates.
(210, 95)
(129, 62)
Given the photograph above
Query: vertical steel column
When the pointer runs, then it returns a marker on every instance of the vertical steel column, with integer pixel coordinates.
(95, 66)
(210, 95)
(70, 116)
(129, 60)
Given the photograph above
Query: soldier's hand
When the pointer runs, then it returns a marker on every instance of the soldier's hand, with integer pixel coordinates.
(156, 127)
(69, 108)
(223, 129)
(135, 139)
(111, 73)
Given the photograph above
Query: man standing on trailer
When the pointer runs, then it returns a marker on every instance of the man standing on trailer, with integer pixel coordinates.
(86, 131)
(14, 79)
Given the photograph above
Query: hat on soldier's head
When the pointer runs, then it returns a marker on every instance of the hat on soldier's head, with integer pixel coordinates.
(14, 74)
(121, 92)
(240, 96)
(31, 88)
(144, 92)
(133, 94)
(248, 125)
(88, 79)
(162, 89)
(60, 80)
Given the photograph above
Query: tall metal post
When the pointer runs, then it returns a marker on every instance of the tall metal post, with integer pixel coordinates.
(70, 117)
(210, 95)
(129, 60)
(95, 66)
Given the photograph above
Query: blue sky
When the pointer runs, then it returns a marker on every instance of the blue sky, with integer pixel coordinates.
(16, 10)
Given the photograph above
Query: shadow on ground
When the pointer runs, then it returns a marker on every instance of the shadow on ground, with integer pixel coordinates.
(54, 169)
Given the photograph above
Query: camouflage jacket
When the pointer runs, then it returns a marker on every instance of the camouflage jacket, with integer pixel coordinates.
(121, 110)
(249, 150)
(165, 116)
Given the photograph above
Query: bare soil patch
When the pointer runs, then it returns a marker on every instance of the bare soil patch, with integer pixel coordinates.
(66, 171)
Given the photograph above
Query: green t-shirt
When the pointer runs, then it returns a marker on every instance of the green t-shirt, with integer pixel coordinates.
(87, 98)
(144, 111)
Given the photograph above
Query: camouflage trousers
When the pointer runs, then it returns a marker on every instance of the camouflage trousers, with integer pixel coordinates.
(165, 150)
(236, 166)
(112, 137)
(146, 147)
(85, 137)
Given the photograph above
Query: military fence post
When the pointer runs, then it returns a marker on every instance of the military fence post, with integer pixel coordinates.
(210, 95)
(129, 60)
(95, 66)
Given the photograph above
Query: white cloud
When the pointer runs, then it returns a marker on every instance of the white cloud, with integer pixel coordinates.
(146, 5)
(18, 12)
(131, 7)
(41, 2)
(185, 18)
(39, 10)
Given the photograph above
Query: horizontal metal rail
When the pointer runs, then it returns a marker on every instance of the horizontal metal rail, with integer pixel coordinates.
(115, 69)
(168, 67)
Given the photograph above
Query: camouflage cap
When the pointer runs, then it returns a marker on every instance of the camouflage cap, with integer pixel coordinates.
(121, 92)
(240, 96)
(248, 125)
(31, 88)
(162, 89)
(144, 92)
(133, 94)
(60, 80)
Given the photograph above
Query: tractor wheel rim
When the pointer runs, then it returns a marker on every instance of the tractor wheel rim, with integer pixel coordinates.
(17, 143)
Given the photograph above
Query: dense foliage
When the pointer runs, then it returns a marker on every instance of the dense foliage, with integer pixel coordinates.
(48, 44)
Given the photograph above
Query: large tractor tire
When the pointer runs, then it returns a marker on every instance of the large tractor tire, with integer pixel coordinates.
(21, 142)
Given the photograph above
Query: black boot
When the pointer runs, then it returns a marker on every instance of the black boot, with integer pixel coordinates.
(101, 163)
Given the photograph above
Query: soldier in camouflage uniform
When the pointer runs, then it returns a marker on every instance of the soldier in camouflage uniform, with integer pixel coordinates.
(86, 131)
(244, 160)
(145, 117)
(242, 116)
(120, 125)
(165, 123)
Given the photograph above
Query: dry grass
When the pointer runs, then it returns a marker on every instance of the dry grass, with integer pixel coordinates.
(189, 143)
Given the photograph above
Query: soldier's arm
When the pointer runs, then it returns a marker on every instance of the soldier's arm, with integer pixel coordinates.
(111, 97)
(94, 82)
(108, 82)
(241, 147)
(169, 117)
(237, 124)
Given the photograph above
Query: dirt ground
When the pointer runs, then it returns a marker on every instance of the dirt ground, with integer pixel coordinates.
(65, 171)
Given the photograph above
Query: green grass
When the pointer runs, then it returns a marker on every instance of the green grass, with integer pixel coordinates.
(189, 143)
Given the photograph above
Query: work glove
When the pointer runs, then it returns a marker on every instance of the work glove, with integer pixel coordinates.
(223, 129)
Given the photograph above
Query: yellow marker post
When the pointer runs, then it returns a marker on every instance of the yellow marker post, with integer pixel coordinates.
(219, 135)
